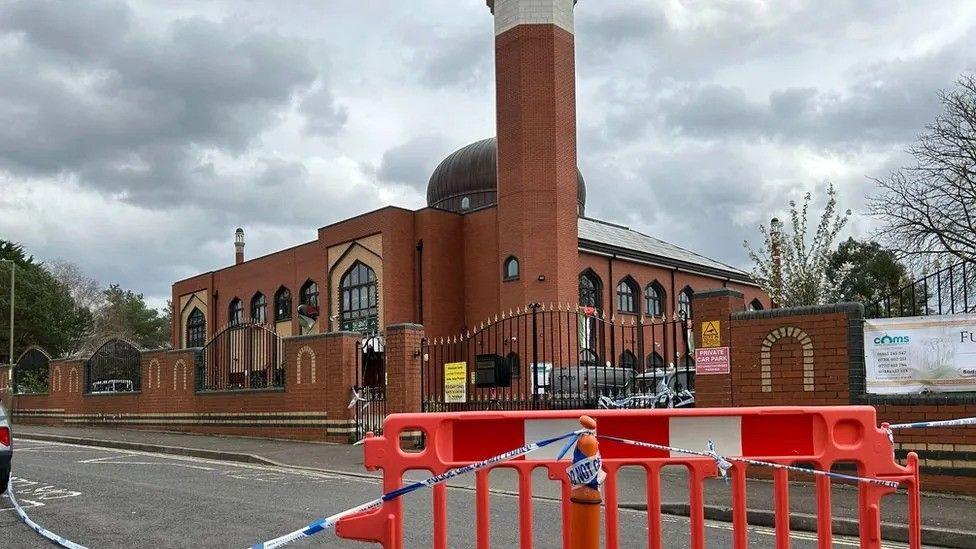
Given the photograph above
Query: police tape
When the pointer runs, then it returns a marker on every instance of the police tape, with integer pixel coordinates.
(331, 521)
(961, 422)
(63, 542)
(723, 462)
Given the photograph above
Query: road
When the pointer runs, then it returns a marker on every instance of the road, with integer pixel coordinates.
(116, 498)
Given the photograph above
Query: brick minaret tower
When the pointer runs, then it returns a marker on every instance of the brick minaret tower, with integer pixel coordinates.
(536, 99)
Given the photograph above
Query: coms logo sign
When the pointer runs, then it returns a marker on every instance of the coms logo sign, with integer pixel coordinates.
(892, 340)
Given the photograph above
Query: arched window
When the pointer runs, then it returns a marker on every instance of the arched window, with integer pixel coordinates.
(465, 203)
(628, 360)
(358, 299)
(235, 312)
(259, 308)
(655, 360)
(282, 302)
(627, 296)
(515, 365)
(684, 302)
(756, 305)
(654, 299)
(511, 268)
(196, 329)
(590, 290)
(309, 294)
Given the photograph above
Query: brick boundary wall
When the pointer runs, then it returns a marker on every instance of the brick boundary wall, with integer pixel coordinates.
(313, 404)
(815, 356)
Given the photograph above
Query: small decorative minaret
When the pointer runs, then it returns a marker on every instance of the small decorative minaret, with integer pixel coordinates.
(239, 246)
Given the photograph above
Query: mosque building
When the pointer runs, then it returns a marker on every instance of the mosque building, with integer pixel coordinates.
(505, 225)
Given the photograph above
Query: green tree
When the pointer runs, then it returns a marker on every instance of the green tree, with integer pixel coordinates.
(791, 268)
(126, 315)
(45, 313)
(864, 272)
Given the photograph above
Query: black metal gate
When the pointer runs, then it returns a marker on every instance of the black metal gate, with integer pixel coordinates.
(242, 356)
(563, 357)
(369, 394)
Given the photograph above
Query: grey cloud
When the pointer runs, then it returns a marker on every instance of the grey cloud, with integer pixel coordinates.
(412, 162)
(323, 114)
(89, 92)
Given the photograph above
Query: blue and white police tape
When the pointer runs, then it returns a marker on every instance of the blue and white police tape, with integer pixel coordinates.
(63, 542)
(719, 459)
(961, 422)
(587, 471)
(330, 522)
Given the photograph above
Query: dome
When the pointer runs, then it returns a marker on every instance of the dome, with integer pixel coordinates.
(468, 179)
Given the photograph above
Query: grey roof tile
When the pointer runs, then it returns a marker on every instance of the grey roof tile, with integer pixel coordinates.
(621, 237)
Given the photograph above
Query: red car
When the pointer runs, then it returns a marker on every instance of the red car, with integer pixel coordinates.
(6, 450)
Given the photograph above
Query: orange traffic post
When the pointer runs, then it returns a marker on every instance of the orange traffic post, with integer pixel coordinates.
(585, 498)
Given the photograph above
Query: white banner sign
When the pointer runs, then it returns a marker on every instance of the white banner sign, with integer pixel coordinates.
(922, 353)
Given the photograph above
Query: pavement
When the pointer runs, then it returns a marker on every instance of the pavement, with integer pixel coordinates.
(112, 498)
(948, 521)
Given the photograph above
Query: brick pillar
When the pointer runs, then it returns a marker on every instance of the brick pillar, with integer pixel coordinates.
(341, 359)
(713, 306)
(403, 367)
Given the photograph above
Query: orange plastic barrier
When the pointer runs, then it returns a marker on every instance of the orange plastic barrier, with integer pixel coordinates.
(818, 436)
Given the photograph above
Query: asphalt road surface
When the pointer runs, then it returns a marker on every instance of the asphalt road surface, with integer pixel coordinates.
(115, 498)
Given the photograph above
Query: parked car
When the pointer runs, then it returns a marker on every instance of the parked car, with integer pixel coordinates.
(588, 381)
(658, 388)
(6, 450)
(113, 386)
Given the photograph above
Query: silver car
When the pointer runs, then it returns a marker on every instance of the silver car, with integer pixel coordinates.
(6, 450)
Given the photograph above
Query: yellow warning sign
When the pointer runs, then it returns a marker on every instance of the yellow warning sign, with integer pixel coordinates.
(711, 335)
(455, 382)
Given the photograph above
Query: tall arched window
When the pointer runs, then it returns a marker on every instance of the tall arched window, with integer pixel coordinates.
(756, 305)
(655, 360)
(196, 329)
(590, 290)
(282, 302)
(358, 299)
(259, 308)
(309, 294)
(628, 359)
(627, 296)
(235, 312)
(510, 269)
(684, 302)
(654, 299)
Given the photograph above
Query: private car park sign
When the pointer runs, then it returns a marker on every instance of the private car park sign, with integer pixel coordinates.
(712, 361)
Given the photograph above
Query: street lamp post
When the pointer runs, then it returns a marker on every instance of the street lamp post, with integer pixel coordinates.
(13, 281)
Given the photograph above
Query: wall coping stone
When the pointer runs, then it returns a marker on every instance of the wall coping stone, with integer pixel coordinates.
(241, 391)
(406, 326)
(120, 393)
(853, 311)
(718, 292)
(326, 335)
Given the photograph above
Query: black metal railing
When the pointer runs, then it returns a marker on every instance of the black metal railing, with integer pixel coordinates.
(548, 357)
(242, 356)
(116, 367)
(948, 290)
(32, 372)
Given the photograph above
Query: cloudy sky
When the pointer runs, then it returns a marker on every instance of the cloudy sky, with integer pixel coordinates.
(135, 136)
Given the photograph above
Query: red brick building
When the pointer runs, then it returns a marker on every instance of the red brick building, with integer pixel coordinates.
(504, 226)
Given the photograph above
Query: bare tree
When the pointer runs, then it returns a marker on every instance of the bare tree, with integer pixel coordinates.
(929, 208)
(85, 290)
(790, 269)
